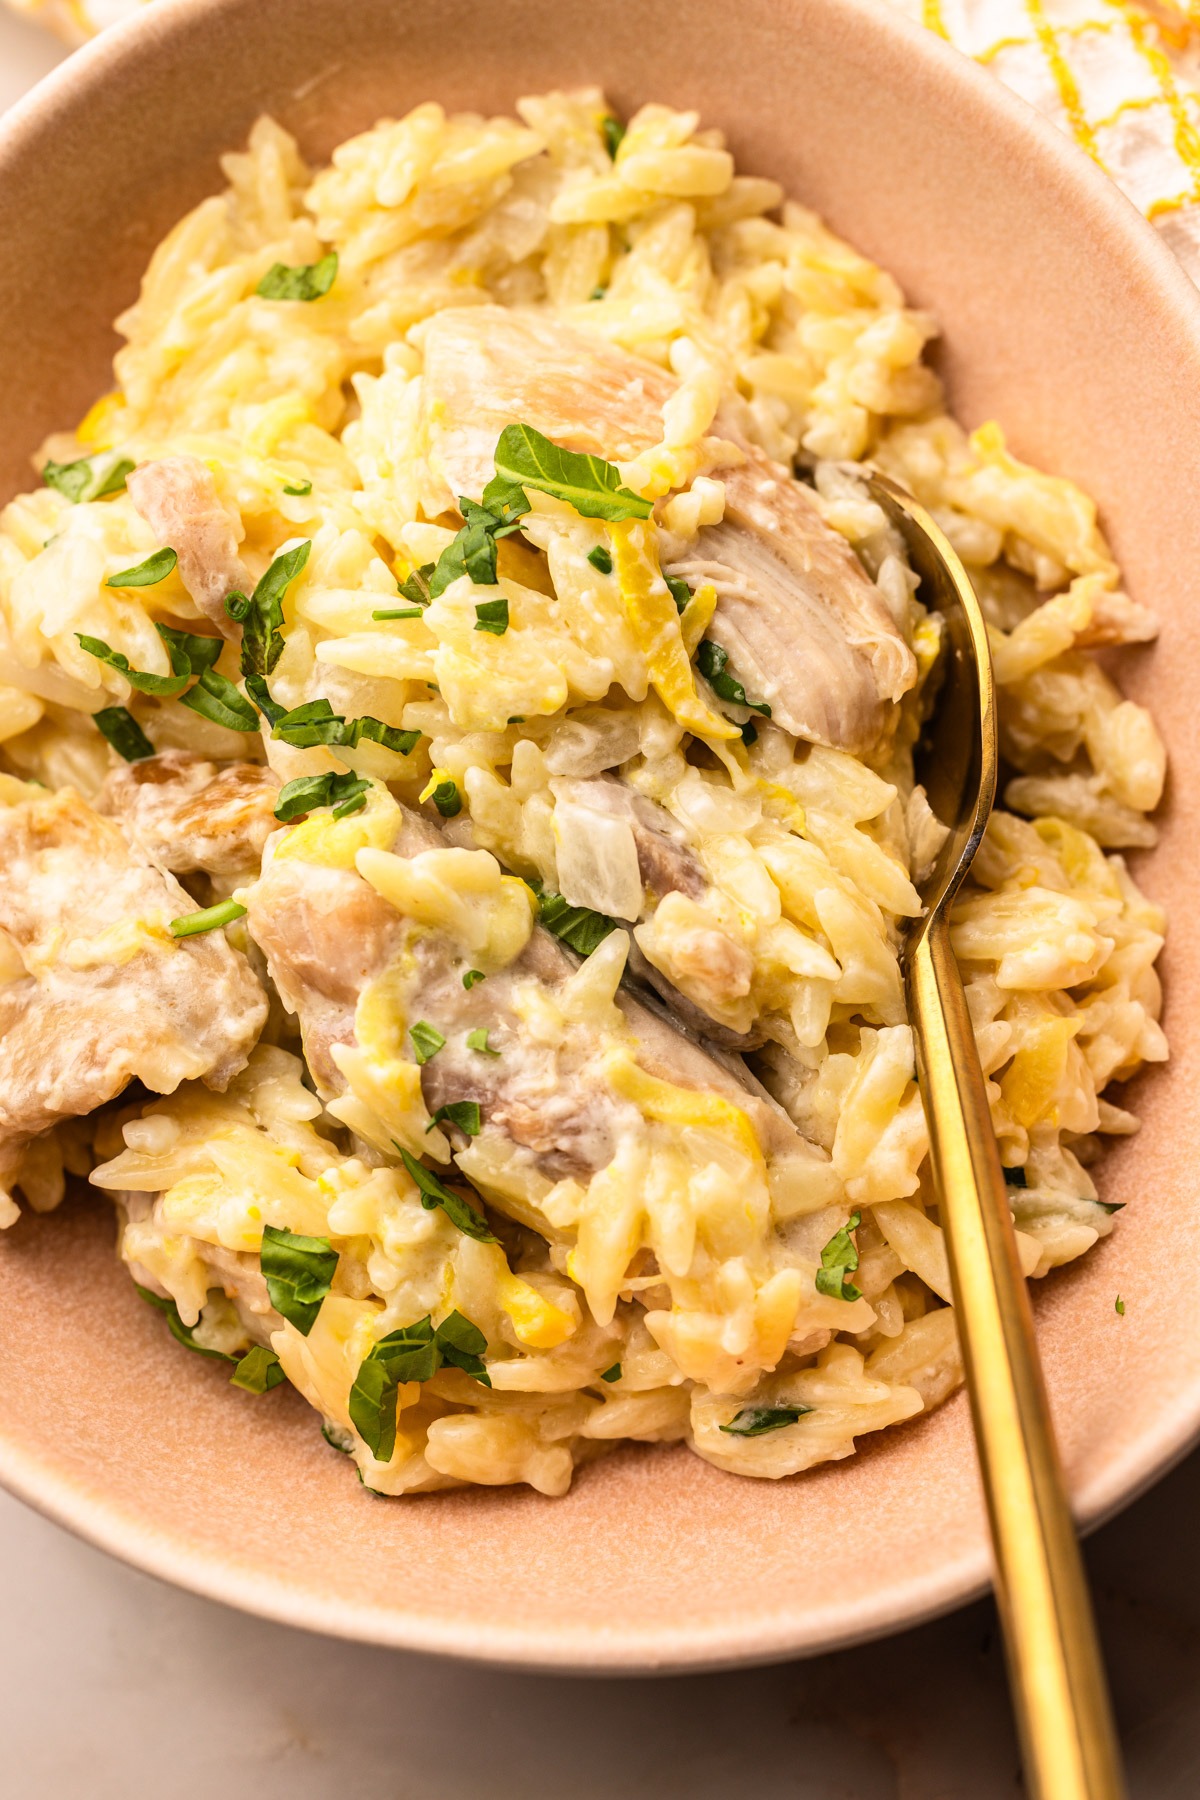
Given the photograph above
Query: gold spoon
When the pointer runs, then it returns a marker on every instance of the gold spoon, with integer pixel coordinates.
(1055, 1670)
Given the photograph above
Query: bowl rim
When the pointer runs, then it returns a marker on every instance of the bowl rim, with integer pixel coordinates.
(1109, 216)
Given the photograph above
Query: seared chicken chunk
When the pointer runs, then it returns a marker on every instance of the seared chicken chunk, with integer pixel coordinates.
(806, 628)
(178, 499)
(106, 993)
(191, 815)
(327, 934)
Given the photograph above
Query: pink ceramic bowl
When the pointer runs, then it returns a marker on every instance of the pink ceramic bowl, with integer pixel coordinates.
(1064, 317)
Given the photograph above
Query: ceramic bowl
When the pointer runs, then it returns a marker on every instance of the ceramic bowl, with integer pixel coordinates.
(1065, 318)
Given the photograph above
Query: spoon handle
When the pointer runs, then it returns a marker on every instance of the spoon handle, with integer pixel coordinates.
(1055, 1669)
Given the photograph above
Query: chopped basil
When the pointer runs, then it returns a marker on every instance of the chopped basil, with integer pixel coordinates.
(215, 698)
(91, 478)
(315, 722)
(260, 693)
(756, 1421)
(354, 804)
(426, 1040)
(183, 1334)
(749, 733)
(578, 926)
(597, 293)
(211, 919)
(1111, 1206)
(447, 799)
(163, 685)
(1120, 1304)
(713, 663)
(839, 1258)
(525, 459)
(433, 1194)
(149, 573)
(397, 612)
(201, 652)
(415, 586)
(298, 1272)
(308, 792)
(613, 1374)
(123, 733)
(260, 614)
(492, 615)
(259, 1371)
(300, 490)
(478, 1041)
(471, 977)
(472, 550)
(600, 559)
(299, 281)
(463, 1113)
(413, 1353)
(1015, 1178)
(336, 1438)
(679, 591)
(612, 131)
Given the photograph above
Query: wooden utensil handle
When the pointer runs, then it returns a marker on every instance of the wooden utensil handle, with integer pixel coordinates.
(1057, 1675)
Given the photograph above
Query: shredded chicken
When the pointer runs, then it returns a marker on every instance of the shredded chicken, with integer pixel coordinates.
(665, 862)
(191, 815)
(177, 497)
(805, 627)
(105, 993)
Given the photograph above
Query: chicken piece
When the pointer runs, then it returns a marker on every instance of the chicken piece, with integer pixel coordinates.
(177, 497)
(326, 933)
(107, 994)
(805, 627)
(191, 815)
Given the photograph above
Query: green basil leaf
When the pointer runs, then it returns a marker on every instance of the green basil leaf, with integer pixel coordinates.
(679, 591)
(397, 612)
(179, 1331)
(215, 698)
(300, 490)
(308, 792)
(149, 573)
(749, 733)
(472, 550)
(337, 1438)
(376, 732)
(578, 926)
(261, 615)
(471, 977)
(299, 281)
(463, 1345)
(123, 733)
(839, 1258)
(259, 1371)
(91, 478)
(306, 726)
(163, 685)
(478, 1040)
(201, 652)
(525, 459)
(434, 1194)
(260, 693)
(1120, 1306)
(447, 799)
(415, 587)
(756, 1421)
(601, 559)
(492, 615)
(426, 1040)
(612, 1374)
(463, 1113)
(612, 131)
(298, 1272)
(408, 1354)
(713, 662)
(354, 804)
(210, 919)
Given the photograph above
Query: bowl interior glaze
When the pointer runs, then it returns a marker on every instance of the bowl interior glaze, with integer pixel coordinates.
(1063, 317)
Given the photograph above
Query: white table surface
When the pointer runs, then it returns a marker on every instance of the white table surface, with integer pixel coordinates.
(115, 1687)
